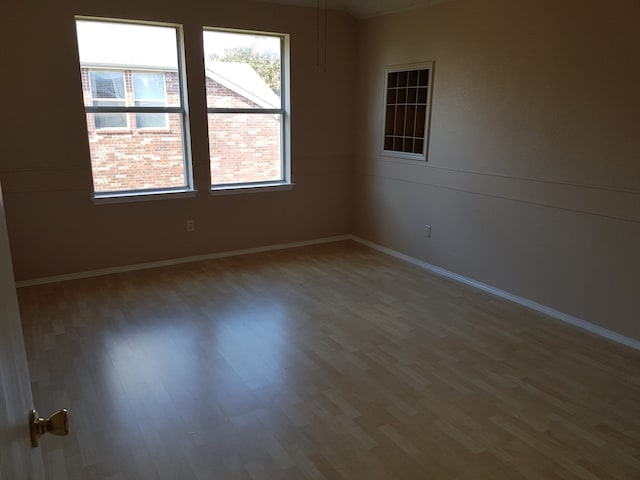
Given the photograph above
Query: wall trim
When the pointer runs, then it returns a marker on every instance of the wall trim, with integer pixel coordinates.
(563, 317)
(550, 181)
(176, 261)
(452, 188)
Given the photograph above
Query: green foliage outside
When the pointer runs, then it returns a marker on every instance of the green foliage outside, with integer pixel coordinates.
(266, 64)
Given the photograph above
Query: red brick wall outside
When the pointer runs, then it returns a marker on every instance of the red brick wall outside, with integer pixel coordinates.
(244, 148)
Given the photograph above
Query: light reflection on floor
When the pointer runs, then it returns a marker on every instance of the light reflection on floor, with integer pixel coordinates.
(161, 364)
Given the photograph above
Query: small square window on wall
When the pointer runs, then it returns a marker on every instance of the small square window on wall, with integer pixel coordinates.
(407, 109)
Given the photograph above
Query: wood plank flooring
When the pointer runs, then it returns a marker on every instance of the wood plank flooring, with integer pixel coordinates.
(325, 362)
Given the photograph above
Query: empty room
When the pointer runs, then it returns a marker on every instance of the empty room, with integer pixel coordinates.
(320, 239)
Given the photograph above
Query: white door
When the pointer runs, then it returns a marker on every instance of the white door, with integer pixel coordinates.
(17, 459)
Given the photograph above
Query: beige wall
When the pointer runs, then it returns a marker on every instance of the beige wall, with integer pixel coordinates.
(533, 179)
(44, 155)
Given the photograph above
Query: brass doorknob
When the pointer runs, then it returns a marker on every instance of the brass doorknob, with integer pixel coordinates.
(57, 424)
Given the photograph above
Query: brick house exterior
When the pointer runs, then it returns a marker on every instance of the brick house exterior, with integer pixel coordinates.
(243, 147)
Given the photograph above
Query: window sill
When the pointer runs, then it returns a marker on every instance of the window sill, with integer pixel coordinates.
(129, 197)
(242, 188)
(112, 131)
(412, 157)
(154, 130)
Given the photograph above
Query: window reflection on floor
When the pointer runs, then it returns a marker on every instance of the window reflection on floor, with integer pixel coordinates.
(230, 358)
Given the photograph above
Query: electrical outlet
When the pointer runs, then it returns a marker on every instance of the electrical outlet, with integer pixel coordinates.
(191, 225)
(427, 231)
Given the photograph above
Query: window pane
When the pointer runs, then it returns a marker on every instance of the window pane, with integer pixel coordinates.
(151, 120)
(245, 148)
(148, 86)
(242, 70)
(137, 159)
(107, 84)
(110, 120)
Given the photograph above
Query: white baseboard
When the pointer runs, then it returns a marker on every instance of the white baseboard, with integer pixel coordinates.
(176, 261)
(564, 317)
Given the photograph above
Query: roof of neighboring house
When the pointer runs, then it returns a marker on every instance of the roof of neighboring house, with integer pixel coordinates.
(244, 80)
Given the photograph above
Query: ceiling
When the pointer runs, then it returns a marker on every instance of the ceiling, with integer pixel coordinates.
(360, 8)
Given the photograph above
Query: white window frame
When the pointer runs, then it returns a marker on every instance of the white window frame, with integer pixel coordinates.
(143, 194)
(424, 154)
(284, 183)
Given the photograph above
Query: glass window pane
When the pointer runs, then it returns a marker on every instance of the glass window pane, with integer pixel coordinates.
(110, 120)
(242, 70)
(136, 159)
(108, 102)
(107, 84)
(245, 148)
(151, 120)
(148, 86)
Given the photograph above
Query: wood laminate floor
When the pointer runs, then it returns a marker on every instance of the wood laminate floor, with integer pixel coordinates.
(326, 362)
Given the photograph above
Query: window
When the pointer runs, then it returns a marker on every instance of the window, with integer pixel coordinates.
(135, 104)
(107, 90)
(148, 91)
(407, 111)
(247, 98)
